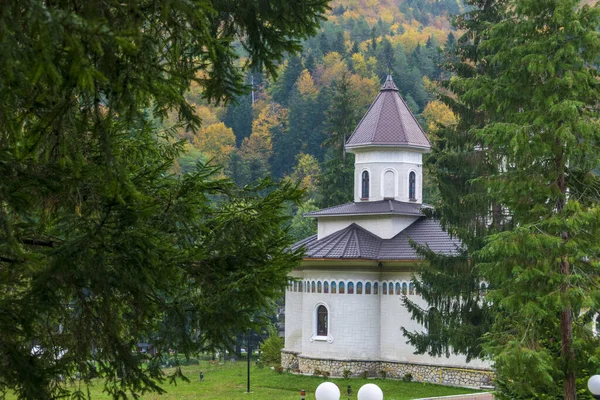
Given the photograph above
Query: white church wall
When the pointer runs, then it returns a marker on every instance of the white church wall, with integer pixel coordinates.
(378, 163)
(293, 319)
(384, 226)
(394, 316)
(353, 319)
(361, 326)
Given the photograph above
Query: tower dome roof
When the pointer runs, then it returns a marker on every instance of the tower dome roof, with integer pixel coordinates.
(388, 123)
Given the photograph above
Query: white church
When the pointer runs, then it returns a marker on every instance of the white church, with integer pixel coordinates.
(343, 309)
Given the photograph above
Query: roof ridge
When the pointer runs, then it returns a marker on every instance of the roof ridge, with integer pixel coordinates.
(357, 241)
(342, 235)
(378, 117)
(413, 117)
(421, 218)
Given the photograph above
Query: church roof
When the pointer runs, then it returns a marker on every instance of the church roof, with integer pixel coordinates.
(355, 242)
(388, 122)
(369, 208)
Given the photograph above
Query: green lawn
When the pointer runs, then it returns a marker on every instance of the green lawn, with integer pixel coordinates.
(228, 381)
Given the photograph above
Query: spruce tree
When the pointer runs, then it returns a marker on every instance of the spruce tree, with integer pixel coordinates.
(335, 184)
(542, 104)
(520, 167)
(101, 246)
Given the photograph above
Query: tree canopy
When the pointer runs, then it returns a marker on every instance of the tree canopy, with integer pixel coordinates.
(522, 165)
(100, 245)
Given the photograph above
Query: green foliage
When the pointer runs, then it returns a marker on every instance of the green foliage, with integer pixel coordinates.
(302, 227)
(271, 348)
(458, 315)
(99, 245)
(528, 97)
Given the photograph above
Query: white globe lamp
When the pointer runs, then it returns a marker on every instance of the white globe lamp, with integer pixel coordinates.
(370, 391)
(327, 391)
(594, 386)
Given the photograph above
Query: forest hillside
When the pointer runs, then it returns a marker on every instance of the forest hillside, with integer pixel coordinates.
(294, 126)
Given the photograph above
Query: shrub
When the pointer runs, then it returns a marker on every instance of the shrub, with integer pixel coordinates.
(365, 374)
(271, 348)
(279, 369)
(407, 377)
(346, 374)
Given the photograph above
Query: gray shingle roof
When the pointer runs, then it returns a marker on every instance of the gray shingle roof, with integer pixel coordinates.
(355, 242)
(388, 122)
(370, 207)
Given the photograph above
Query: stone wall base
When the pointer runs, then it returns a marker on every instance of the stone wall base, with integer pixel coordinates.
(473, 378)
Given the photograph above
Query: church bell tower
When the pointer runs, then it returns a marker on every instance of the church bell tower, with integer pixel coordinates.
(388, 145)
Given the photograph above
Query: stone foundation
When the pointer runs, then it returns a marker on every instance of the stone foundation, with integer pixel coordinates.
(443, 375)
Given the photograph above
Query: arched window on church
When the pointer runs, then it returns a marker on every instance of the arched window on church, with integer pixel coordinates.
(358, 287)
(300, 289)
(333, 288)
(295, 286)
(412, 181)
(397, 288)
(404, 289)
(325, 287)
(364, 194)
(368, 288)
(384, 288)
(319, 287)
(391, 292)
(322, 320)
(411, 288)
(350, 288)
(376, 288)
(342, 288)
(312, 287)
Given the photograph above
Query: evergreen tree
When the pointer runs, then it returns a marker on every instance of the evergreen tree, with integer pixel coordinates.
(285, 84)
(530, 143)
(544, 124)
(459, 316)
(100, 244)
(335, 184)
(238, 117)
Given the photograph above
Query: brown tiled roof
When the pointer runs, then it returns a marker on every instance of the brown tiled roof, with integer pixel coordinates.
(369, 208)
(355, 242)
(388, 122)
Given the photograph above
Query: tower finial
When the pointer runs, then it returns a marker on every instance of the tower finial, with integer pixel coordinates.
(389, 84)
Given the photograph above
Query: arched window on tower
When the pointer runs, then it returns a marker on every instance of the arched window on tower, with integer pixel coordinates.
(364, 194)
(412, 180)
(322, 320)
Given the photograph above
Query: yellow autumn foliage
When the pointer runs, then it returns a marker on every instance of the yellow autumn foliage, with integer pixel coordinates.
(306, 85)
(216, 141)
(437, 113)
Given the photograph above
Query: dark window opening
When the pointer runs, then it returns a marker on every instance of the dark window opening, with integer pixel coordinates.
(322, 321)
(411, 186)
(365, 185)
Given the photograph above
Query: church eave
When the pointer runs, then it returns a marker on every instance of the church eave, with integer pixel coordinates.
(421, 148)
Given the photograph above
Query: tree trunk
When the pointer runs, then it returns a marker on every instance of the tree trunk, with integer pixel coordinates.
(567, 352)
(566, 315)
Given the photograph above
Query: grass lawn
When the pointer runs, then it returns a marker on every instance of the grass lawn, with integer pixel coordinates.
(228, 381)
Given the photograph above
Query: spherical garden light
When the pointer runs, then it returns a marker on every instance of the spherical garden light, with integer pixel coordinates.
(594, 386)
(370, 391)
(327, 391)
